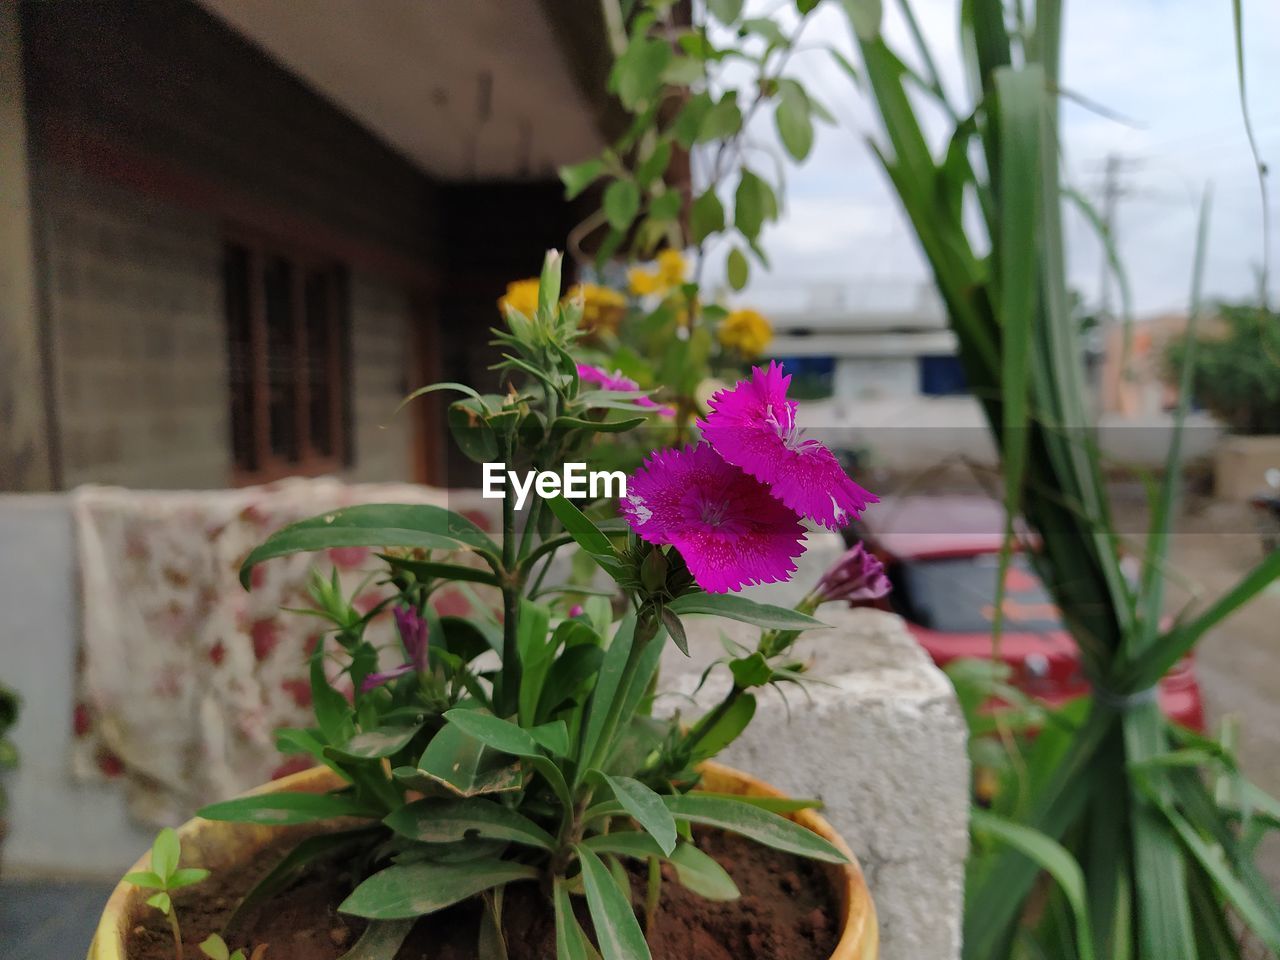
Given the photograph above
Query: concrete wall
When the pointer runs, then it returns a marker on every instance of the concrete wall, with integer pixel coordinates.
(133, 299)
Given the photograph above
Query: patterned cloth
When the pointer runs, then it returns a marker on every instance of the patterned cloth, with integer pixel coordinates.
(184, 676)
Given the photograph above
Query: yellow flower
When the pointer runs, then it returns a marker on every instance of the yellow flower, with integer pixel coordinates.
(643, 283)
(671, 267)
(521, 295)
(602, 307)
(745, 331)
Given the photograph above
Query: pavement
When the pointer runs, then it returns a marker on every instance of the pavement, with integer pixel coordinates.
(49, 919)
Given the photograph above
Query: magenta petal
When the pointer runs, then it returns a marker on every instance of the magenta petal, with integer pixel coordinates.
(753, 427)
(617, 381)
(378, 679)
(729, 529)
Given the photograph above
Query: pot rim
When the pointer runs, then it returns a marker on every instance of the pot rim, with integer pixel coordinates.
(859, 939)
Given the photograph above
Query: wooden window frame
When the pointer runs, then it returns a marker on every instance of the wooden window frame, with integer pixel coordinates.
(304, 262)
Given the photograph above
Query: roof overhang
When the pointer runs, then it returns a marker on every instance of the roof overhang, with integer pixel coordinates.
(475, 90)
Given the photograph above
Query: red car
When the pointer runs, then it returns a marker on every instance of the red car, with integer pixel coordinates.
(942, 556)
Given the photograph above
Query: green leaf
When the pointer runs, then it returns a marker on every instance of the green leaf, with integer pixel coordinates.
(702, 874)
(647, 809)
(462, 765)
(621, 203)
(754, 203)
(214, 948)
(606, 689)
(473, 434)
(161, 902)
(1050, 856)
(553, 737)
(751, 671)
(283, 809)
(571, 941)
(401, 892)
(146, 879)
(794, 119)
(706, 216)
(374, 525)
(332, 712)
(676, 629)
(381, 940)
(448, 821)
(579, 176)
(375, 744)
(865, 17)
(165, 852)
(772, 804)
(722, 120)
(586, 534)
(186, 877)
(755, 824)
(494, 732)
(740, 608)
(666, 206)
(617, 931)
(431, 570)
(737, 268)
(727, 728)
(637, 74)
(688, 124)
(726, 11)
(655, 165)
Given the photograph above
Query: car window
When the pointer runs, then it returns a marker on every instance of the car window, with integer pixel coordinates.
(958, 595)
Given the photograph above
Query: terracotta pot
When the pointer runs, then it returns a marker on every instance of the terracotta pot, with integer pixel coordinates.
(220, 846)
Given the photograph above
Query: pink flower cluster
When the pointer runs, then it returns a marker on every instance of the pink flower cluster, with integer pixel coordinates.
(732, 505)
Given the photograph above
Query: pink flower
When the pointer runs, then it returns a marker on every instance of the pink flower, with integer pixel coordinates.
(413, 634)
(858, 576)
(753, 426)
(616, 381)
(727, 527)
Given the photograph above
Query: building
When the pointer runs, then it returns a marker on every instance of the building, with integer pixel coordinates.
(237, 232)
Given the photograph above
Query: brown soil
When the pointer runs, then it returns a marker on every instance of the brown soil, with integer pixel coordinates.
(787, 911)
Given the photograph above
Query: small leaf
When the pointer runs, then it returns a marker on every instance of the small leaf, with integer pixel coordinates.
(554, 737)
(726, 11)
(722, 121)
(186, 877)
(676, 629)
(727, 729)
(617, 931)
(146, 879)
(794, 120)
(752, 671)
(161, 902)
(688, 124)
(655, 165)
(579, 176)
(737, 268)
(740, 608)
(666, 205)
(462, 765)
(214, 948)
(282, 809)
(587, 535)
(702, 874)
(472, 432)
(706, 216)
(621, 203)
(165, 852)
(494, 732)
(754, 203)
(412, 890)
(647, 809)
(755, 824)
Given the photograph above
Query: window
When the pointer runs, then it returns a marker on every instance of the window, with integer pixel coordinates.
(287, 345)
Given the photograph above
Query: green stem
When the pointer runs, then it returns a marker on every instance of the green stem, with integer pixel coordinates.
(653, 894)
(177, 933)
(698, 732)
(507, 683)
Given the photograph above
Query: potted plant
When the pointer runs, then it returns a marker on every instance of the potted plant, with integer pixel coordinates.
(504, 788)
(10, 704)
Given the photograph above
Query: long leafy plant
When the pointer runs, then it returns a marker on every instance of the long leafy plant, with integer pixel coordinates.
(1149, 831)
(525, 748)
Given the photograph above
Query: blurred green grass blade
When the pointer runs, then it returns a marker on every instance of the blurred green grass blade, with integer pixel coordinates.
(1019, 96)
(1054, 858)
(1165, 506)
(1237, 22)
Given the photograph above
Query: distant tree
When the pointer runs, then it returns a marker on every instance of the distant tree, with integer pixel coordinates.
(1237, 368)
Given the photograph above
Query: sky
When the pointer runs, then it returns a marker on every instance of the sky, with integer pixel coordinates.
(1166, 66)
